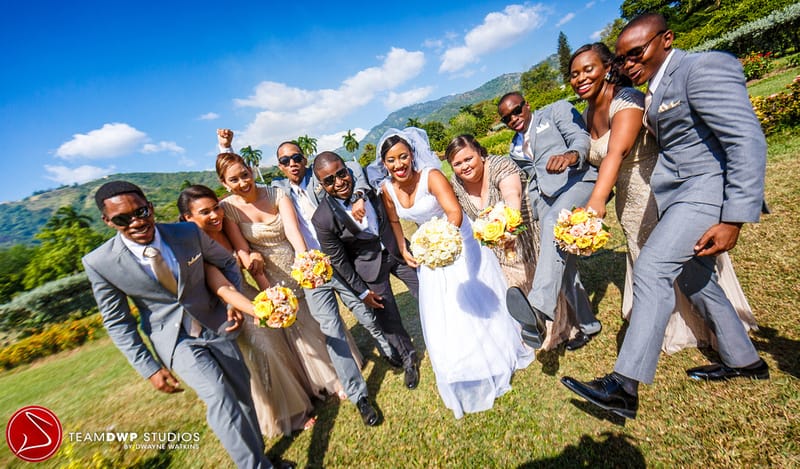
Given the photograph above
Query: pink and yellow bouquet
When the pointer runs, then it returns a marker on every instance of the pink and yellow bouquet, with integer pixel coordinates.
(436, 243)
(498, 225)
(580, 231)
(276, 307)
(312, 268)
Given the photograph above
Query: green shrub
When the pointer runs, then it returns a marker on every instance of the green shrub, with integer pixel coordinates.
(777, 31)
(779, 110)
(498, 142)
(756, 64)
(52, 302)
(53, 339)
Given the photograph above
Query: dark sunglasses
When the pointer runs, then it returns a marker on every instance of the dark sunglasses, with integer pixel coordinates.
(330, 179)
(514, 112)
(284, 160)
(125, 219)
(635, 54)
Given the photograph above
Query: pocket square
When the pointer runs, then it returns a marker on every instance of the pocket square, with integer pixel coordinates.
(667, 106)
(542, 127)
(194, 259)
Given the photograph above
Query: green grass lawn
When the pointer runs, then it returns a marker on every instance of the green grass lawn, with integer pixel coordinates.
(774, 83)
(540, 423)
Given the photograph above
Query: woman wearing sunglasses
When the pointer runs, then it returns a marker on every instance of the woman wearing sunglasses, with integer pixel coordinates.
(626, 154)
(263, 219)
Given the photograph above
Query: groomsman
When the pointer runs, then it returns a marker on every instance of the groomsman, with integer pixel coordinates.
(708, 181)
(551, 145)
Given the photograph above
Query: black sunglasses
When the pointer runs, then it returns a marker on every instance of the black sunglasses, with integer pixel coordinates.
(635, 54)
(125, 219)
(330, 179)
(284, 160)
(514, 112)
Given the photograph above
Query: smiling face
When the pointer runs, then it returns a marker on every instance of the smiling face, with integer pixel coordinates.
(295, 167)
(239, 180)
(587, 75)
(399, 161)
(336, 179)
(206, 213)
(515, 113)
(468, 165)
(641, 49)
(138, 230)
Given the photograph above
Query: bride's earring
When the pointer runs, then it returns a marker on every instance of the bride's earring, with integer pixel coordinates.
(608, 76)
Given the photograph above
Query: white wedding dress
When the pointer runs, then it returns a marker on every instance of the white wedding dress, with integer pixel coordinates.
(473, 343)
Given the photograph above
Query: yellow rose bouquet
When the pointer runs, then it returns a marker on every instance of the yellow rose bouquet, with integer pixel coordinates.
(580, 231)
(499, 225)
(436, 243)
(276, 307)
(312, 268)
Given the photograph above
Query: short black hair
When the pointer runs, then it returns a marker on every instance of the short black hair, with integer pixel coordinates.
(113, 189)
(325, 158)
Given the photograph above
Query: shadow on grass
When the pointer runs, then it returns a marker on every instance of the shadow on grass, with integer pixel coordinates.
(785, 351)
(608, 450)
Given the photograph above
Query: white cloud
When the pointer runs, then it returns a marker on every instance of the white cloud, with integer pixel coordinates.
(566, 19)
(162, 146)
(79, 175)
(590, 4)
(331, 142)
(498, 31)
(596, 35)
(433, 44)
(186, 162)
(112, 140)
(287, 112)
(209, 116)
(394, 100)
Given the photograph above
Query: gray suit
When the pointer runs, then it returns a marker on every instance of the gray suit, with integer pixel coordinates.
(554, 130)
(210, 364)
(710, 169)
(322, 300)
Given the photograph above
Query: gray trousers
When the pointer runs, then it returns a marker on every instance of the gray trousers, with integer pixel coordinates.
(213, 367)
(668, 257)
(325, 309)
(555, 270)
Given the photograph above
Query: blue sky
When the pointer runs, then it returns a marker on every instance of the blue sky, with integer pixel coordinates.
(93, 88)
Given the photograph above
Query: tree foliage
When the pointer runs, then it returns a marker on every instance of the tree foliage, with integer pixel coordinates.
(368, 155)
(12, 270)
(610, 33)
(253, 158)
(437, 135)
(308, 145)
(51, 302)
(564, 53)
(540, 86)
(350, 141)
(414, 122)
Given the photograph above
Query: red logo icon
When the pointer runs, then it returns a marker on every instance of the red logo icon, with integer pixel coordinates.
(34, 433)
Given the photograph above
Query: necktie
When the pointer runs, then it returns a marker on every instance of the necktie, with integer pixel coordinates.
(648, 99)
(304, 203)
(167, 280)
(526, 147)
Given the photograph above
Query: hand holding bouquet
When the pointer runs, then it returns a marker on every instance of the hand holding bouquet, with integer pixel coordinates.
(436, 243)
(580, 231)
(275, 307)
(499, 225)
(312, 268)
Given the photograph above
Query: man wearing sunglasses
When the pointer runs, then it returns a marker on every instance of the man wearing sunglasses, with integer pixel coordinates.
(708, 181)
(364, 252)
(551, 145)
(159, 267)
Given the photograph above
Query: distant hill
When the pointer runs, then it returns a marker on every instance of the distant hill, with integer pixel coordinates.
(21, 220)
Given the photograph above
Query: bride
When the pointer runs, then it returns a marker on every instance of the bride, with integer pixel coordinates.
(472, 341)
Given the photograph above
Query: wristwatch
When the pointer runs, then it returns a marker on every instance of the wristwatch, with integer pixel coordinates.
(358, 195)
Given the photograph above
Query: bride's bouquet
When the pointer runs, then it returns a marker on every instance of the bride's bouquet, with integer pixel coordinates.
(499, 225)
(436, 243)
(312, 268)
(580, 231)
(276, 307)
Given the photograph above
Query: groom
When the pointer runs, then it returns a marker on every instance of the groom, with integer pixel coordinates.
(364, 252)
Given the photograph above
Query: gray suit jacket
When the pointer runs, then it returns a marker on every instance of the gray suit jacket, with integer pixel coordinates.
(116, 276)
(554, 129)
(314, 187)
(712, 147)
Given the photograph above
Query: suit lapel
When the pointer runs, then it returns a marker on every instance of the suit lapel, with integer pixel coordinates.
(663, 86)
(126, 262)
(178, 251)
(341, 215)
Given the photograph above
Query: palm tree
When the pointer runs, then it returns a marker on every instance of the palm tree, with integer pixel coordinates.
(308, 145)
(350, 142)
(413, 122)
(67, 216)
(252, 158)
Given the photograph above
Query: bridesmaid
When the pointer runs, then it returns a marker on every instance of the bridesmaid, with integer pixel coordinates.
(276, 378)
(626, 154)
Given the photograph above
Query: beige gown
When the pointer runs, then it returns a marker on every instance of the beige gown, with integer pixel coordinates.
(304, 336)
(638, 215)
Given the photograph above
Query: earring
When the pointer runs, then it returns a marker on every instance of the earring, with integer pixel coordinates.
(608, 76)
(227, 189)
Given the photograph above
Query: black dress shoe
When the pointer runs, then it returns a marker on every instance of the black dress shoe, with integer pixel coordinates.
(606, 393)
(534, 329)
(282, 464)
(368, 414)
(719, 372)
(393, 360)
(411, 378)
(579, 341)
